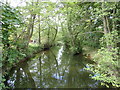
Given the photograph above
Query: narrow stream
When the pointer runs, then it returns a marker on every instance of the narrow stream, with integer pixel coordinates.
(55, 68)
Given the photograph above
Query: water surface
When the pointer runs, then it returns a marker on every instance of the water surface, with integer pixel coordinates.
(55, 68)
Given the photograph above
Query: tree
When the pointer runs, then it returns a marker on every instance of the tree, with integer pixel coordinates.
(106, 67)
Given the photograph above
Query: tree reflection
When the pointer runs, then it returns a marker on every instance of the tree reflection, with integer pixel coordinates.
(50, 72)
(22, 77)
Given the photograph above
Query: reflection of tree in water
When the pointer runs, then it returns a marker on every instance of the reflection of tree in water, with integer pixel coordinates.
(49, 72)
(22, 77)
(76, 76)
(69, 73)
(49, 68)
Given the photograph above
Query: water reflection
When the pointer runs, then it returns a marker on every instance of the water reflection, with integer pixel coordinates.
(55, 68)
(21, 77)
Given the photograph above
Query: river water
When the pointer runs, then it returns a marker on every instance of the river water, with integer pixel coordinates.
(54, 68)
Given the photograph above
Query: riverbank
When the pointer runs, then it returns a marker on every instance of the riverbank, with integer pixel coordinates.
(90, 52)
(27, 53)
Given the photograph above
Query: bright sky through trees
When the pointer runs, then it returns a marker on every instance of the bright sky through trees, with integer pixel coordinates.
(16, 3)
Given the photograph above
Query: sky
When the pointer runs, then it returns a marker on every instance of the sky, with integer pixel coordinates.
(15, 3)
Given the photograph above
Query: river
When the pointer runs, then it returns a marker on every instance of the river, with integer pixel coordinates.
(54, 68)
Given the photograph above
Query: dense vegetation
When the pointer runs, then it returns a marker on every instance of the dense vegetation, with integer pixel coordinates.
(38, 26)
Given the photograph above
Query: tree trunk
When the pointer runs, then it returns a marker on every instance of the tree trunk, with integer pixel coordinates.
(69, 28)
(105, 25)
(30, 29)
(39, 30)
(48, 34)
(56, 31)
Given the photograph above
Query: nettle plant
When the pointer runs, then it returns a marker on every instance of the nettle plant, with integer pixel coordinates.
(107, 58)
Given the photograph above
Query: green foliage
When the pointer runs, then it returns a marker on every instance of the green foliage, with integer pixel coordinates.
(110, 39)
(1, 83)
(11, 20)
(92, 39)
(77, 24)
(107, 59)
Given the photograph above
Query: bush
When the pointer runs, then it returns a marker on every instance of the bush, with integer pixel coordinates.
(106, 67)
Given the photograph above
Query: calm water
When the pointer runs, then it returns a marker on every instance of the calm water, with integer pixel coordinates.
(55, 68)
